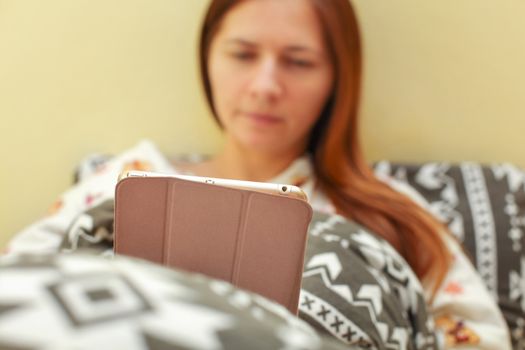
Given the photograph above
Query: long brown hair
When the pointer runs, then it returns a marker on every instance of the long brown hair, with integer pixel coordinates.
(339, 165)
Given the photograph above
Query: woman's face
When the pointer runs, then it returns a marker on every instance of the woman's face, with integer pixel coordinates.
(270, 74)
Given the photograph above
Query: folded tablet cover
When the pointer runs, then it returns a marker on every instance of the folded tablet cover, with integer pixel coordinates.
(254, 240)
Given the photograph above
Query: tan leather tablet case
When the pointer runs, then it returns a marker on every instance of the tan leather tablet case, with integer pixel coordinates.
(254, 240)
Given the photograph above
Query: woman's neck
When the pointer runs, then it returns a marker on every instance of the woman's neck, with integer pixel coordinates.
(240, 163)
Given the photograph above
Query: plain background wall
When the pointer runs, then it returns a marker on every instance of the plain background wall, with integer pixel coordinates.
(444, 80)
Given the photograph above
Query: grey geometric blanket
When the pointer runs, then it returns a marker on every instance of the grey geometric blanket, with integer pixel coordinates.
(355, 286)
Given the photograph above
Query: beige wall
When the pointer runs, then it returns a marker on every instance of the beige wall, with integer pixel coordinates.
(444, 80)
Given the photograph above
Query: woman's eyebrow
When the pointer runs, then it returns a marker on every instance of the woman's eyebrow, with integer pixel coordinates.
(300, 48)
(239, 41)
(289, 48)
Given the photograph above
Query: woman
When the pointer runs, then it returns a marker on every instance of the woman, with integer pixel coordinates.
(282, 78)
(290, 88)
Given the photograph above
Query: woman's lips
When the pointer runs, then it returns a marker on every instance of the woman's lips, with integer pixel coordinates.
(263, 118)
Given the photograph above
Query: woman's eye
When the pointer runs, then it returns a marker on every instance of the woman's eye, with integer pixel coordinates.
(299, 63)
(243, 56)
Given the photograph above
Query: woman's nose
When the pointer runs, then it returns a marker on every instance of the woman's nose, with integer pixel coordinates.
(266, 83)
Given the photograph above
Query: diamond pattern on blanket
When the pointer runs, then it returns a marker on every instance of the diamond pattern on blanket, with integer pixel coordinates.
(94, 298)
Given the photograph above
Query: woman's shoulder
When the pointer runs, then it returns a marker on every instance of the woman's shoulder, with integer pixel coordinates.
(144, 155)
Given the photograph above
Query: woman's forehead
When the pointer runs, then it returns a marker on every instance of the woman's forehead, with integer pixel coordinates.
(283, 23)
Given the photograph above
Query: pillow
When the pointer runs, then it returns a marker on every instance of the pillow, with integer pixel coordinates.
(484, 207)
(80, 301)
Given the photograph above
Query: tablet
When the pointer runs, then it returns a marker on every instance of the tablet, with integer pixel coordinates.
(253, 239)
